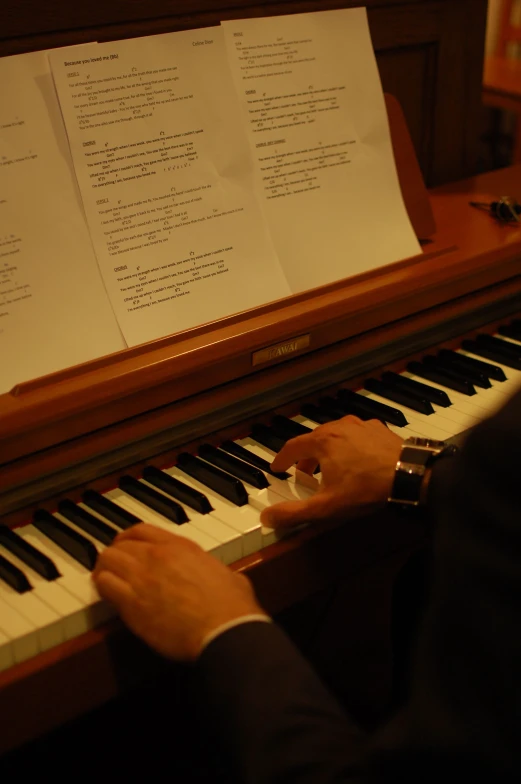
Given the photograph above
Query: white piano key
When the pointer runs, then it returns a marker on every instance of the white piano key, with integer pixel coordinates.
(6, 652)
(467, 404)
(186, 530)
(424, 425)
(230, 541)
(513, 376)
(46, 622)
(302, 420)
(485, 401)
(64, 604)
(450, 425)
(261, 499)
(461, 421)
(508, 339)
(22, 634)
(243, 519)
(75, 578)
(403, 432)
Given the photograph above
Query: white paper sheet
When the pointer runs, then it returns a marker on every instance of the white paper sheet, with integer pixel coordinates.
(165, 175)
(54, 310)
(318, 130)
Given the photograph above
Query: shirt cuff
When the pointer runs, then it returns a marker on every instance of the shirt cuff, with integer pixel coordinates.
(230, 625)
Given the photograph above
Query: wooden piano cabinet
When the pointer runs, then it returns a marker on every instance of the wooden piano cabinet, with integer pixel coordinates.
(469, 276)
(84, 426)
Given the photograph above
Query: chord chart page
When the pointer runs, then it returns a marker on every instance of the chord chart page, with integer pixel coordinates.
(165, 174)
(54, 309)
(316, 121)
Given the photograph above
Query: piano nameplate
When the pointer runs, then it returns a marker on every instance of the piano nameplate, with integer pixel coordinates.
(279, 350)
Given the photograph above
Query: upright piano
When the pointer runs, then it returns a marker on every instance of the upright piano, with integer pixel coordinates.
(85, 427)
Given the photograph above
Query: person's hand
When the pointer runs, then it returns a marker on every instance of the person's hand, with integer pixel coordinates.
(357, 461)
(170, 592)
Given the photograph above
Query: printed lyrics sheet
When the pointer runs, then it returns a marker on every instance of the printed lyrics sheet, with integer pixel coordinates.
(317, 124)
(164, 171)
(152, 185)
(54, 310)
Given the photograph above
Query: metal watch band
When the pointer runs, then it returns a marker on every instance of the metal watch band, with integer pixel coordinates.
(416, 456)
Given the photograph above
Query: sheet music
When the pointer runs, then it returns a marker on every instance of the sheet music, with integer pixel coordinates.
(54, 310)
(318, 130)
(165, 175)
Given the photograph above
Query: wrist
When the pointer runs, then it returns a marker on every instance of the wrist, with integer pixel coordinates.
(259, 617)
(413, 470)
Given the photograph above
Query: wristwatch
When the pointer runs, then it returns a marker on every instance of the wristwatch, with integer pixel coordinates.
(417, 456)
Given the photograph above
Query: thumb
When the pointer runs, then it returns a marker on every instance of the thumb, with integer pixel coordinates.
(292, 513)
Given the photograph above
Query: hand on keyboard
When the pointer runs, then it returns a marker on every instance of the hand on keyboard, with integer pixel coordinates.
(169, 591)
(357, 461)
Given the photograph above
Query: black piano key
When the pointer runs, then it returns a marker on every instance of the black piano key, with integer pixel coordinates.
(491, 352)
(267, 437)
(109, 509)
(233, 465)
(491, 371)
(177, 489)
(76, 545)
(398, 395)
(333, 407)
(249, 457)
(28, 554)
(423, 391)
(441, 377)
(87, 522)
(502, 346)
(474, 377)
(512, 330)
(157, 501)
(320, 414)
(365, 408)
(13, 576)
(287, 428)
(222, 483)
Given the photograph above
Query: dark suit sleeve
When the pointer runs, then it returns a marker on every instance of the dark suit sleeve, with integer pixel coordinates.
(276, 719)
(463, 720)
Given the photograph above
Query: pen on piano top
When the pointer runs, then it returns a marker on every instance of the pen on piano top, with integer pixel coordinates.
(505, 210)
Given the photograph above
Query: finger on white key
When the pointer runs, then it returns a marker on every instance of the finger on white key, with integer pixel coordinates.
(186, 530)
(75, 578)
(243, 519)
(292, 488)
(229, 540)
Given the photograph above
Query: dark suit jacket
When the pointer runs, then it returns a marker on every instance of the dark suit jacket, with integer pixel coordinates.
(463, 719)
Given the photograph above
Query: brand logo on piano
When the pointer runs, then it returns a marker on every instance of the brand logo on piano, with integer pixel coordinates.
(280, 350)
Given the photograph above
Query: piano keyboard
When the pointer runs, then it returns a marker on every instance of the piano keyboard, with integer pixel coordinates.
(215, 497)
